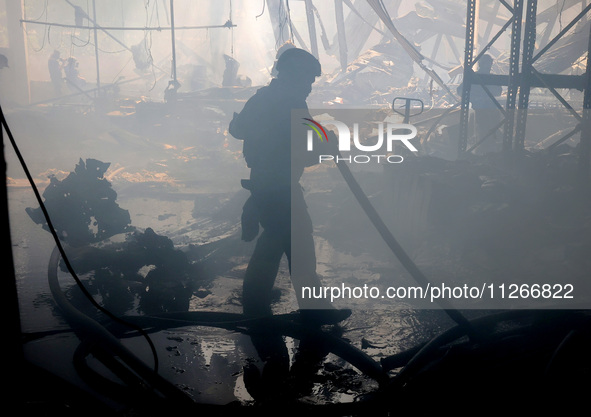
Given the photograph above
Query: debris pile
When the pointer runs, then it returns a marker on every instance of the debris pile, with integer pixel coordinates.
(128, 268)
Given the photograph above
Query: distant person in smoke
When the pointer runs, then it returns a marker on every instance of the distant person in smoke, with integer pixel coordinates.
(265, 127)
(55, 66)
(486, 113)
(73, 74)
(230, 76)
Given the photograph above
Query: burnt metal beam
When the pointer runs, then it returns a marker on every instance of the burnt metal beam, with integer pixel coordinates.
(564, 138)
(576, 82)
(507, 5)
(561, 33)
(360, 24)
(494, 38)
(312, 27)
(551, 88)
(227, 25)
(476, 80)
(549, 15)
(487, 135)
(408, 47)
(342, 36)
(105, 31)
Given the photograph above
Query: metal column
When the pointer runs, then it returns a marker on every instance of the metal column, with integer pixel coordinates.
(173, 46)
(96, 51)
(467, 78)
(529, 43)
(585, 149)
(513, 83)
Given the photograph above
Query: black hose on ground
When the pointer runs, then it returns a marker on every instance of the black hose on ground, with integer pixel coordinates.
(142, 382)
(59, 246)
(94, 334)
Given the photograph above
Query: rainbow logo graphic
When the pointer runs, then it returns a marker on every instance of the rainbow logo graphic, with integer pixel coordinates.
(316, 126)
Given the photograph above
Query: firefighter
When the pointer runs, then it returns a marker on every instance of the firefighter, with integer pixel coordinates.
(264, 125)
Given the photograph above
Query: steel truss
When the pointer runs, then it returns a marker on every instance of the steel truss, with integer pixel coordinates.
(522, 77)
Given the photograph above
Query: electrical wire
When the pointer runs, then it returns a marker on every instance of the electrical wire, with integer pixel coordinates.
(262, 11)
(44, 12)
(61, 248)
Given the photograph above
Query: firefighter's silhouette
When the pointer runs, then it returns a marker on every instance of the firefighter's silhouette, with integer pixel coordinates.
(264, 125)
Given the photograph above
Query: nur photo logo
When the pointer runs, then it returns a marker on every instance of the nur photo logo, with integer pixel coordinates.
(378, 148)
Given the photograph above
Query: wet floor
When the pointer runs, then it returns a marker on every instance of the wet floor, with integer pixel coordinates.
(207, 363)
(189, 191)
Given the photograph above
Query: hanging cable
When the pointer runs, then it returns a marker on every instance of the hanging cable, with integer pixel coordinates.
(43, 13)
(262, 11)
